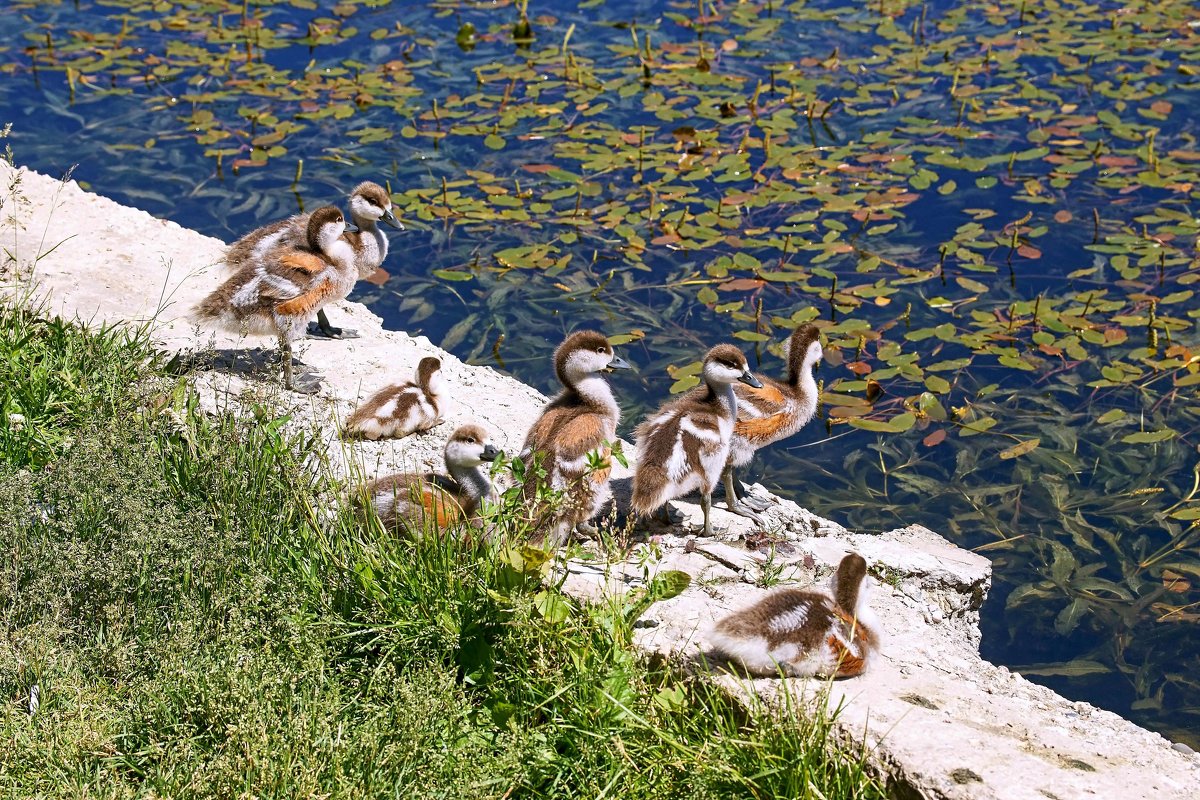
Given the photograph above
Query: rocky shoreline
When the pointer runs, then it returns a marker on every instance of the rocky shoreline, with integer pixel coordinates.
(937, 719)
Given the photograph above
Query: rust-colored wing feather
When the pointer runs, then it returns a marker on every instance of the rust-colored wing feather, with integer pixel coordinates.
(303, 261)
(307, 303)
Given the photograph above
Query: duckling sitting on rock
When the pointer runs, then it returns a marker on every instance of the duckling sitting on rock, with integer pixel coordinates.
(685, 445)
(573, 429)
(369, 205)
(280, 291)
(429, 499)
(401, 409)
(772, 412)
(803, 633)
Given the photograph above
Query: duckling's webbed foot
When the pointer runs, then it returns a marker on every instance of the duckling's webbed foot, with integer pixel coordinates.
(759, 504)
(743, 505)
(307, 383)
(321, 329)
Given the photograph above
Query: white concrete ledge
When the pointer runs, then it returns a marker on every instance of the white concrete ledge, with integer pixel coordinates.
(938, 720)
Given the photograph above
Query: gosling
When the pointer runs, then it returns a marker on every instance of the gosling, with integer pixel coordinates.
(277, 294)
(772, 413)
(575, 428)
(803, 633)
(685, 445)
(441, 501)
(401, 409)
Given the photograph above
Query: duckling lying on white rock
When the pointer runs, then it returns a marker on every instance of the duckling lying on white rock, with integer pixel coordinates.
(806, 632)
(401, 409)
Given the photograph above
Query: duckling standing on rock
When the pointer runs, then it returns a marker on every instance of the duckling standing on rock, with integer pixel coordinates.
(773, 412)
(575, 426)
(804, 633)
(277, 294)
(685, 445)
(401, 409)
(421, 498)
(369, 205)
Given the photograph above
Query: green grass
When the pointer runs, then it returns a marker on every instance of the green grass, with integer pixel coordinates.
(196, 628)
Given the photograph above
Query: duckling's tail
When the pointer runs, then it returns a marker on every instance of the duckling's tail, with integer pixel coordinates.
(650, 482)
(212, 308)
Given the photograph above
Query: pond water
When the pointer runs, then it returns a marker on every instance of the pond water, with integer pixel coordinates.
(990, 207)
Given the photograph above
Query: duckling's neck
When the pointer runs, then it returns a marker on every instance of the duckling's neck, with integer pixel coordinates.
(475, 482)
(337, 250)
(372, 242)
(850, 597)
(596, 391)
(434, 385)
(802, 377)
(724, 395)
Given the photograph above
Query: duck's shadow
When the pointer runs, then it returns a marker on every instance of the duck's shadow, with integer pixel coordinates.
(255, 362)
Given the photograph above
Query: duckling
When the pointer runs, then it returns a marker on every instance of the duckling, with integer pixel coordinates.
(369, 204)
(774, 412)
(575, 425)
(439, 499)
(401, 409)
(804, 633)
(276, 294)
(685, 445)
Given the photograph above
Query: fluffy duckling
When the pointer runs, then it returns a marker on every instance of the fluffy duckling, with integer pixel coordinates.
(401, 409)
(685, 445)
(773, 412)
(576, 424)
(803, 633)
(429, 497)
(369, 204)
(277, 294)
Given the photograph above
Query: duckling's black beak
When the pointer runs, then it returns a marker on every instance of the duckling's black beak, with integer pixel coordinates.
(490, 453)
(351, 227)
(390, 220)
(617, 363)
(749, 379)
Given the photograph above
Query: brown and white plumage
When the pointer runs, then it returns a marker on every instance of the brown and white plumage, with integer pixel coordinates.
(277, 294)
(401, 409)
(428, 499)
(774, 411)
(573, 428)
(806, 632)
(685, 444)
(369, 205)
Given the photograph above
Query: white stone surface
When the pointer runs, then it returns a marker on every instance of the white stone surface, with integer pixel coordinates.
(936, 719)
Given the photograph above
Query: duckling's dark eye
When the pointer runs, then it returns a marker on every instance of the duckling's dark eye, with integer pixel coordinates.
(601, 350)
(470, 440)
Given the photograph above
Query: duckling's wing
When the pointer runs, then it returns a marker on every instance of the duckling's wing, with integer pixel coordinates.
(254, 246)
(786, 629)
(307, 304)
(568, 438)
(302, 261)
(761, 402)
